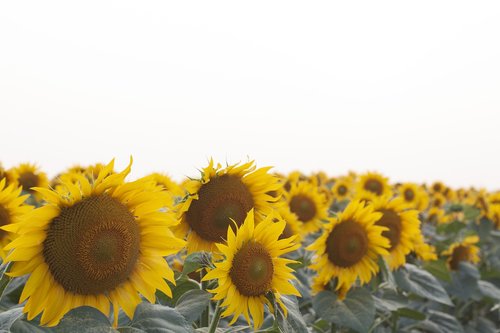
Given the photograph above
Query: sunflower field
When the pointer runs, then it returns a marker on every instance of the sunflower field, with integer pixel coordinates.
(241, 248)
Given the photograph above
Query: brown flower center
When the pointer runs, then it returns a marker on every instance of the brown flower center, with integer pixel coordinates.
(409, 195)
(220, 200)
(92, 246)
(252, 270)
(392, 221)
(347, 244)
(374, 186)
(4, 220)
(437, 187)
(460, 253)
(304, 207)
(28, 180)
(342, 190)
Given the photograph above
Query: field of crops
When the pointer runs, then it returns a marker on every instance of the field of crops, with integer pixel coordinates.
(241, 248)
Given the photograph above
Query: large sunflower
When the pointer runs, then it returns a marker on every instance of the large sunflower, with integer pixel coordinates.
(466, 250)
(403, 228)
(221, 195)
(12, 209)
(252, 268)
(374, 183)
(349, 247)
(28, 176)
(94, 244)
(308, 205)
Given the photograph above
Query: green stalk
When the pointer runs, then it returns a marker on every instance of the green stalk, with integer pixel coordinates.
(5, 279)
(215, 318)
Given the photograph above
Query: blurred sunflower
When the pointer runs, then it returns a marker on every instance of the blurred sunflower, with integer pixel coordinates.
(28, 176)
(410, 193)
(465, 250)
(438, 200)
(349, 247)
(12, 209)
(402, 228)
(374, 183)
(252, 268)
(308, 205)
(222, 195)
(342, 189)
(167, 183)
(494, 215)
(3, 172)
(437, 187)
(92, 244)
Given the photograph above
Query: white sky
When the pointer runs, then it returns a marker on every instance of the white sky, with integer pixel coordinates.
(411, 89)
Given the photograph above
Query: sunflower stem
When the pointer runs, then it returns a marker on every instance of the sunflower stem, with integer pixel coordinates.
(215, 318)
(5, 279)
(206, 314)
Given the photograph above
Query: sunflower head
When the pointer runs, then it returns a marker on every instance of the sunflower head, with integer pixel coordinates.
(437, 187)
(167, 183)
(342, 189)
(3, 172)
(252, 268)
(28, 176)
(402, 228)
(12, 210)
(410, 193)
(494, 215)
(466, 250)
(93, 243)
(438, 200)
(308, 205)
(223, 195)
(374, 183)
(349, 247)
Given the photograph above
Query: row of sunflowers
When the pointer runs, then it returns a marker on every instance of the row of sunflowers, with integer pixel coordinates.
(243, 249)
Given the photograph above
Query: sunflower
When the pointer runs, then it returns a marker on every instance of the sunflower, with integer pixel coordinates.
(28, 176)
(403, 227)
(92, 171)
(94, 244)
(293, 178)
(308, 205)
(221, 195)
(438, 200)
(349, 247)
(253, 268)
(410, 193)
(494, 215)
(465, 250)
(437, 187)
(437, 215)
(424, 251)
(167, 183)
(374, 183)
(342, 189)
(12, 209)
(3, 172)
(293, 226)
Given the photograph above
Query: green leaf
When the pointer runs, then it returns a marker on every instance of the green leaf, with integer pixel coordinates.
(388, 300)
(446, 322)
(412, 279)
(357, 311)
(410, 313)
(155, 318)
(192, 303)
(489, 290)
(183, 285)
(195, 261)
(464, 283)
(7, 318)
(450, 228)
(439, 269)
(294, 321)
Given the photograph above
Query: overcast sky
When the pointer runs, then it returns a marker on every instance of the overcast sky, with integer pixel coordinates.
(411, 89)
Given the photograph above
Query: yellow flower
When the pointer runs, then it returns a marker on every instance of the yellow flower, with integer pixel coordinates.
(374, 183)
(167, 183)
(221, 195)
(252, 268)
(12, 209)
(92, 244)
(410, 193)
(349, 247)
(403, 227)
(342, 189)
(308, 205)
(465, 250)
(28, 176)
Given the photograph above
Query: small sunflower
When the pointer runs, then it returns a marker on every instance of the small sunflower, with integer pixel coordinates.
(349, 247)
(465, 250)
(308, 205)
(437, 215)
(167, 183)
(3, 172)
(410, 193)
(252, 268)
(222, 195)
(403, 227)
(12, 209)
(341, 189)
(293, 226)
(437, 187)
(374, 183)
(494, 215)
(438, 200)
(28, 176)
(92, 244)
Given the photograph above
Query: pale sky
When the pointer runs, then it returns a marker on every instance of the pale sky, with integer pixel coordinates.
(411, 89)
